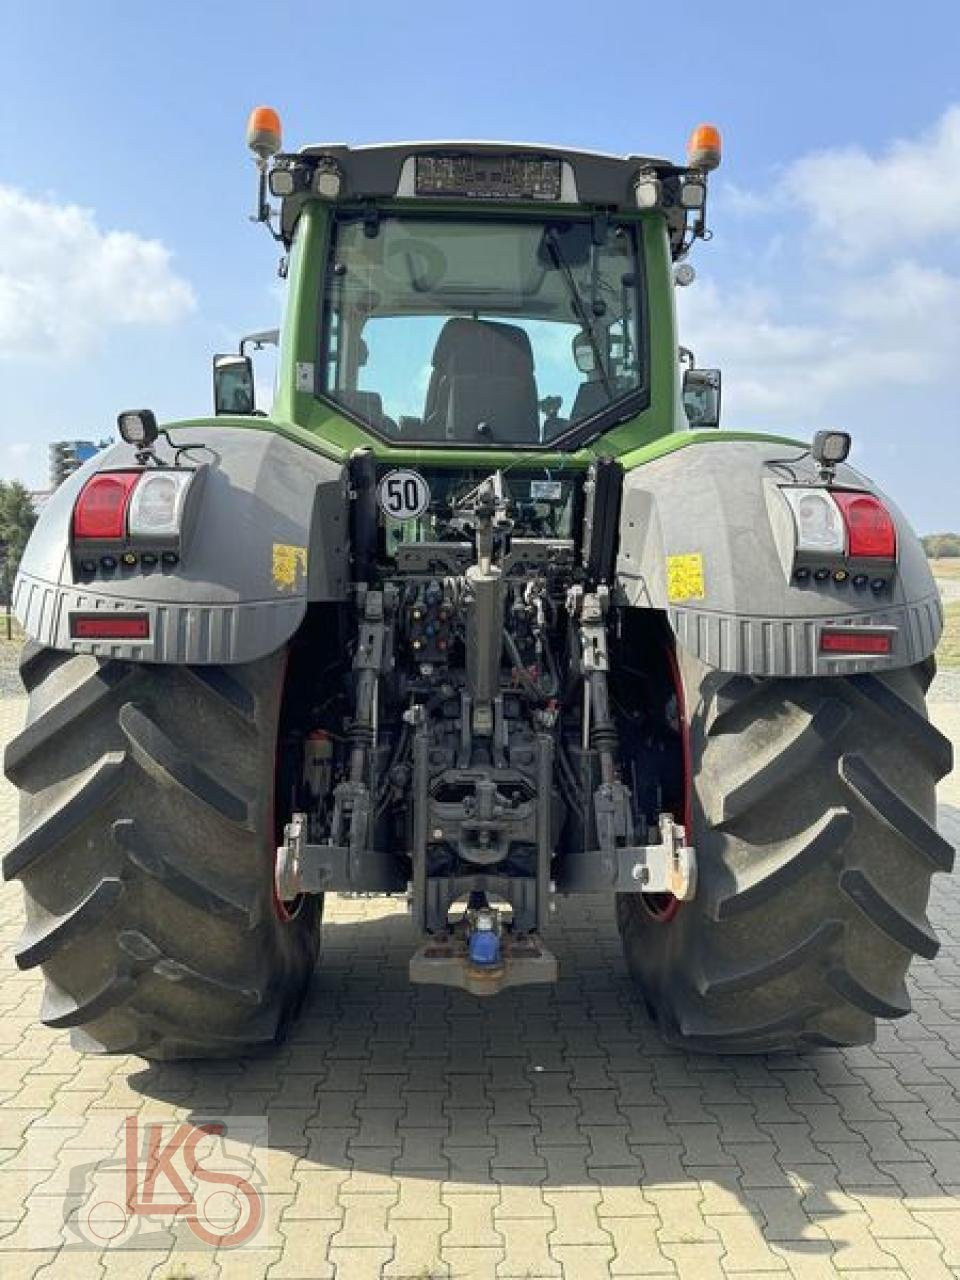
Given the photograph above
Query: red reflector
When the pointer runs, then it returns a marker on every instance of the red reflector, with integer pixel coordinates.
(870, 529)
(110, 626)
(848, 641)
(101, 510)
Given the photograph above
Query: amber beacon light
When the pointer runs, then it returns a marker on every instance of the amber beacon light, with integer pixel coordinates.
(704, 147)
(264, 134)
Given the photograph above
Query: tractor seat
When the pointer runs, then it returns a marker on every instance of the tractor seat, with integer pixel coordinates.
(369, 406)
(482, 388)
(591, 398)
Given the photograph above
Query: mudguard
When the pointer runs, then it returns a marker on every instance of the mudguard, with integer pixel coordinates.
(269, 534)
(706, 536)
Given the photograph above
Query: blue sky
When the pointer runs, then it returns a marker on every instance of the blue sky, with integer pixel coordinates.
(830, 294)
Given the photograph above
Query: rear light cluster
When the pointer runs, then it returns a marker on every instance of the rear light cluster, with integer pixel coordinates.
(835, 526)
(129, 518)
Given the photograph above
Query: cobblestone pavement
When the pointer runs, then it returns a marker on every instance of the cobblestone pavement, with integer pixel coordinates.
(548, 1133)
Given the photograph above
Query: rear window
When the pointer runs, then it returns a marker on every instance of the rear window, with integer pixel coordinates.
(481, 332)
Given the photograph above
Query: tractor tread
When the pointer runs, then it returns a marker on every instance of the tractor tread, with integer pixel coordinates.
(180, 877)
(234, 694)
(895, 813)
(153, 919)
(775, 871)
(143, 953)
(59, 1009)
(785, 761)
(859, 995)
(40, 942)
(730, 705)
(77, 805)
(702, 1033)
(915, 728)
(37, 662)
(37, 736)
(158, 754)
(813, 819)
(817, 943)
(896, 924)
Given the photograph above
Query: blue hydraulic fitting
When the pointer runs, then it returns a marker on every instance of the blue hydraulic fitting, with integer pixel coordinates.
(484, 947)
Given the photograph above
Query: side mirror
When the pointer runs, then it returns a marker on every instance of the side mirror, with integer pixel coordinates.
(584, 356)
(701, 397)
(233, 390)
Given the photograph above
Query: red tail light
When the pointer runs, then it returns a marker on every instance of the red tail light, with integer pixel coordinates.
(849, 641)
(101, 510)
(870, 528)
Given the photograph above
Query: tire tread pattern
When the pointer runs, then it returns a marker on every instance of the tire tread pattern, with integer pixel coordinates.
(814, 826)
(144, 852)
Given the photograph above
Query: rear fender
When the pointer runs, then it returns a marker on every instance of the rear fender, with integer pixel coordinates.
(269, 536)
(706, 537)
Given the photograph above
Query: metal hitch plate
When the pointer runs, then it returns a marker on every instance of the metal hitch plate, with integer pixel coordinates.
(443, 961)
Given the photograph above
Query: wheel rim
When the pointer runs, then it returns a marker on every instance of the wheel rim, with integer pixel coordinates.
(286, 910)
(661, 908)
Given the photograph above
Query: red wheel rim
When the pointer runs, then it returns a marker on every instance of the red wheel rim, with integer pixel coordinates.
(290, 909)
(663, 907)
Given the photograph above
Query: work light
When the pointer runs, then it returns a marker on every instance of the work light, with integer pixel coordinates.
(138, 427)
(830, 447)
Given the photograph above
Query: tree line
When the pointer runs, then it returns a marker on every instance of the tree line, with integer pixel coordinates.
(17, 518)
(941, 546)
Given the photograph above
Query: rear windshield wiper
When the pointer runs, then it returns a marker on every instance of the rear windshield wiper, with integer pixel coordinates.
(579, 306)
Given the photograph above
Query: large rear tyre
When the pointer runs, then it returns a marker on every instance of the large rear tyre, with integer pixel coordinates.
(813, 811)
(146, 851)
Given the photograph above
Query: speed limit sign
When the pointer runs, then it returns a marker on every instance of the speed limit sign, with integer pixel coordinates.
(403, 495)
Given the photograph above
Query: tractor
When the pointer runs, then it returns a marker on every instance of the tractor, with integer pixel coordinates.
(487, 611)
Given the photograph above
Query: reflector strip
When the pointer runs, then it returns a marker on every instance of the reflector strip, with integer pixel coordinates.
(110, 626)
(856, 642)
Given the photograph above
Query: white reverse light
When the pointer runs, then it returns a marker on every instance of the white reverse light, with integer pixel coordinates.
(157, 503)
(818, 521)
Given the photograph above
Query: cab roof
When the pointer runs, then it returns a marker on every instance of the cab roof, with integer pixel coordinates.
(564, 177)
(590, 177)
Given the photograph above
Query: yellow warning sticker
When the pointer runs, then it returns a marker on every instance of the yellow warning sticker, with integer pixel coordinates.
(289, 567)
(685, 577)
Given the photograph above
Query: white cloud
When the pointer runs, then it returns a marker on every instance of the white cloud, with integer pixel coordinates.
(800, 332)
(863, 204)
(899, 327)
(64, 281)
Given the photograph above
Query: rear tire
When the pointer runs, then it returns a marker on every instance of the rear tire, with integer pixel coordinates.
(813, 814)
(146, 850)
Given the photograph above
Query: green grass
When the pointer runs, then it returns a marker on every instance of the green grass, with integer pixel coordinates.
(948, 654)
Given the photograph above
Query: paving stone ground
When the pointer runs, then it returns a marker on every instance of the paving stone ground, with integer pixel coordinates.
(418, 1134)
